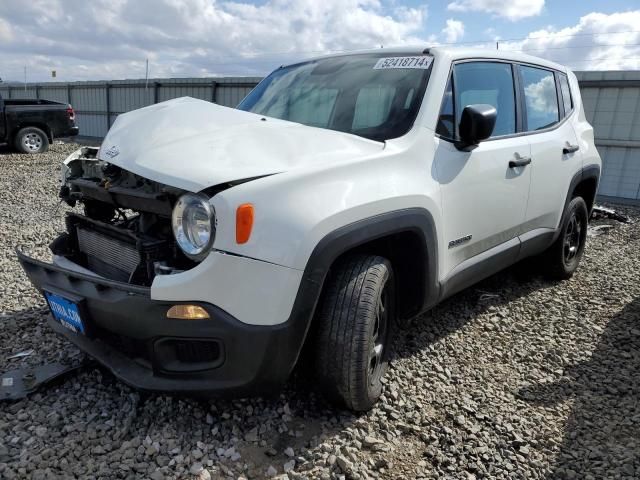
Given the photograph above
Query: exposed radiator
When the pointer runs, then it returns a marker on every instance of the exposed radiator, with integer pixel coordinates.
(107, 256)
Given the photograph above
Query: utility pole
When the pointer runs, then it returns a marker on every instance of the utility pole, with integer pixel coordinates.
(146, 76)
(25, 79)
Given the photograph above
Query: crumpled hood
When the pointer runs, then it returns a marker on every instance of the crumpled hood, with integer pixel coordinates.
(193, 144)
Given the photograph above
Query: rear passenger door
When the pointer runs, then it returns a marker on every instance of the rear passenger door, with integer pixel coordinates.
(548, 109)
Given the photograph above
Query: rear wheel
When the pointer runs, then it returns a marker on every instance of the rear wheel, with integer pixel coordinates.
(31, 140)
(355, 320)
(561, 260)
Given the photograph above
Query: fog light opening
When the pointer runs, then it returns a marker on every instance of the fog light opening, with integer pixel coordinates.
(187, 312)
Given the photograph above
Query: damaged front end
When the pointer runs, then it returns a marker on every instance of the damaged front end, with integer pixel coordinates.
(125, 233)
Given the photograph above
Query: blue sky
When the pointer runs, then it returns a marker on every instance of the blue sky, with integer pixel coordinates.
(111, 39)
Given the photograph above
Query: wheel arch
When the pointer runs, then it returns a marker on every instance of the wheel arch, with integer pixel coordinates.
(406, 237)
(42, 126)
(586, 186)
(584, 182)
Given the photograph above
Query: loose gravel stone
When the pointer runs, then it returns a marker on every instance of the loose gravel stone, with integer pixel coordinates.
(516, 377)
(271, 471)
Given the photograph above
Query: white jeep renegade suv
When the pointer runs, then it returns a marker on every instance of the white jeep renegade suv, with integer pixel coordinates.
(342, 194)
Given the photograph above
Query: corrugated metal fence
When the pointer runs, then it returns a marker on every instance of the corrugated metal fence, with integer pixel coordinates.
(97, 104)
(611, 100)
(612, 104)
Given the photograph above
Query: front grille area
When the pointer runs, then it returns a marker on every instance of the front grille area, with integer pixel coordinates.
(119, 252)
(107, 256)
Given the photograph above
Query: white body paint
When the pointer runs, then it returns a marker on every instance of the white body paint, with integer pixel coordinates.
(315, 181)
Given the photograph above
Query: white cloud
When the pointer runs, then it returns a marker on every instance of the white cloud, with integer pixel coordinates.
(111, 38)
(541, 96)
(453, 31)
(5, 31)
(597, 42)
(511, 9)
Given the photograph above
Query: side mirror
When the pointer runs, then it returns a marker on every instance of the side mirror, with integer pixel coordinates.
(476, 124)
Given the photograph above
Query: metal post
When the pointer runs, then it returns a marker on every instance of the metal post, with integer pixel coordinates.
(68, 94)
(37, 87)
(146, 76)
(107, 97)
(497, 45)
(214, 89)
(156, 86)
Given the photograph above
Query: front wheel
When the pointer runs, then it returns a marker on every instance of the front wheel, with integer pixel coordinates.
(31, 140)
(355, 320)
(563, 257)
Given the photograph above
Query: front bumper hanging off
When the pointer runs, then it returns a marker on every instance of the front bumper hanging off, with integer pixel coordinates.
(130, 334)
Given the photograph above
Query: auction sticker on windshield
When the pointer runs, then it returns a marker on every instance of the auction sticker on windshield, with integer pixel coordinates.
(422, 62)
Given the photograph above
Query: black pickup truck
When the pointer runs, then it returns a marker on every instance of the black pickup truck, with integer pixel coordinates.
(30, 125)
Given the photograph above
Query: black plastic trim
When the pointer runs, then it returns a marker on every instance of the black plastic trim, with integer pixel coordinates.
(480, 266)
(66, 278)
(591, 171)
(340, 241)
(519, 99)
(126, 324)
(560, 98)
(535, 241)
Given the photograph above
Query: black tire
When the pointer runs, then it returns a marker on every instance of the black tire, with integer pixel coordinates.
(562, 258)
(31, 140)
(355, 320)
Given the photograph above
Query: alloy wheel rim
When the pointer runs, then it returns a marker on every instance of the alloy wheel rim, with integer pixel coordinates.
(572, 238)
(32, 141)
(378, 336)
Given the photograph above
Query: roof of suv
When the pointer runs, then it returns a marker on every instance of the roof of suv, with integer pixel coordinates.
(456, 53)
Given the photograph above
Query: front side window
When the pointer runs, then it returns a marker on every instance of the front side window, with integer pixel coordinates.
(540, 98)
(350, 94)
(566, 93)
(489, 83)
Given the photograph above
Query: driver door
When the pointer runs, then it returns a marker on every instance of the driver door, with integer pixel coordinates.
(484, 200)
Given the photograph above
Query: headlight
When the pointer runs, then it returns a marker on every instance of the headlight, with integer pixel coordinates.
(193, 221)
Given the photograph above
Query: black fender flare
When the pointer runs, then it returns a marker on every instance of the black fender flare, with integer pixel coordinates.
(333, 245)
(592, 171)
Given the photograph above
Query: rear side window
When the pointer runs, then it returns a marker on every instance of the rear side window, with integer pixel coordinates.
(566, 94)
(489, 83)
(540, 98)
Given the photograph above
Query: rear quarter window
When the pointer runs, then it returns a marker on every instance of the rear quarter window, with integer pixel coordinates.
(566, 94)
(540, 98)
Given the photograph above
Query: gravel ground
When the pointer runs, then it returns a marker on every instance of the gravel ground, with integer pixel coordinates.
(514, 378)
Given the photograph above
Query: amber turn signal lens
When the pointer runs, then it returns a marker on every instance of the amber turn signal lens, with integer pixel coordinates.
(244, 222)
(187, 312)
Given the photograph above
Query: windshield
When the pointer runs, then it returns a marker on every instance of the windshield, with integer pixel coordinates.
(375, 96)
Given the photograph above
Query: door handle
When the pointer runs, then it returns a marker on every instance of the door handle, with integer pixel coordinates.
(521, 162)
(570, 149)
